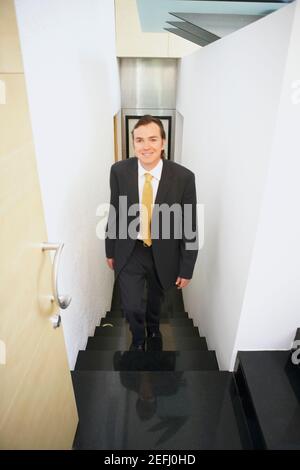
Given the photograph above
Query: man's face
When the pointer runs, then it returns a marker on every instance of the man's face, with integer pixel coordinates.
(148, 144)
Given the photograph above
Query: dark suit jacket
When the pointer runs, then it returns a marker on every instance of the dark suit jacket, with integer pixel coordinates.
(171, 256)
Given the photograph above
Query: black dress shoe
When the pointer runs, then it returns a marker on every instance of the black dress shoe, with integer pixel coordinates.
(154, 341)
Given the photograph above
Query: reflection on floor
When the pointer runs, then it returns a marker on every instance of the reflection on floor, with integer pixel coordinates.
(171, 397)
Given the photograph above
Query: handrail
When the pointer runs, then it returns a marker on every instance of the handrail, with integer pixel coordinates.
(62, 301)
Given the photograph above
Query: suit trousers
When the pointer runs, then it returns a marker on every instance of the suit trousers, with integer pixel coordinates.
(138, 270)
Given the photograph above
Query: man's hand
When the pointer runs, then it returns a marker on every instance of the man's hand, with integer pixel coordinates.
(110, 262)
(181, 282)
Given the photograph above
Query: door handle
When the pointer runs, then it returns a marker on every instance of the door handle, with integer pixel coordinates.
(62, 301)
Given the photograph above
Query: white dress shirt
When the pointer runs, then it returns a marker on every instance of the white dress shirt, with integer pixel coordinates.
(156, 173)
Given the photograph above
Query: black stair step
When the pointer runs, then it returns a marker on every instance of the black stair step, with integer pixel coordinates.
(163, 314)
(270, 402)
(190, 410)
(172, 321)
(102, 343)
(191, 343)
(118, 331)
(147, 361)
(178, 331)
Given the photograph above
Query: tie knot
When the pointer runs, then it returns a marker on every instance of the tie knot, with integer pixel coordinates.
(148, 177)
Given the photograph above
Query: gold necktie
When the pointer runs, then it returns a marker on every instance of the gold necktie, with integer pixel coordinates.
(146, 210)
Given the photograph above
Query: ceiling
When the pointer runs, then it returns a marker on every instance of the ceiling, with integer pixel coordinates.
(200, 21)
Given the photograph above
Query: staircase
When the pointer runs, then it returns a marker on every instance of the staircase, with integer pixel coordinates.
(175, 397)
(169, 399)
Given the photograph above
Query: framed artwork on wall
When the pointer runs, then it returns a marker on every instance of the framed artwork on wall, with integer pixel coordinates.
(130, 122)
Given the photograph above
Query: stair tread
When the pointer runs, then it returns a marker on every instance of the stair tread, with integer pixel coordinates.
(276, 405)
(172, 321)
(122, 330)
(107, 343)
(115, 343)
(149, 360)
(190, 410)
(163, 314)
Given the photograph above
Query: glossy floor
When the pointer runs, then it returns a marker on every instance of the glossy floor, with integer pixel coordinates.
(158, 410)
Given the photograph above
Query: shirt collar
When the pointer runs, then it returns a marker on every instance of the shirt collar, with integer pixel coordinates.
(155, 172)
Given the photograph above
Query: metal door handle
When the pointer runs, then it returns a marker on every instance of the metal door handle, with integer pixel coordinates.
(62, 301)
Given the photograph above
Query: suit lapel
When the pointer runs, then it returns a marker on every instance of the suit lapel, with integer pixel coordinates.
(133, 184)
(164, 182)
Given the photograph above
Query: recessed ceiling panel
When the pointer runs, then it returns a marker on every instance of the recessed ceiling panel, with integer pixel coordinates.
(192, 29)
(154, 13)
(221, 25)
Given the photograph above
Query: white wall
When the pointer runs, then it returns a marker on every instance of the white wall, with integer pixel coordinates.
(73, 87)
(271, 310)
(229, 119)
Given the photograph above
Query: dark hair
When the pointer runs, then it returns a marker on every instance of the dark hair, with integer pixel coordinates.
(148, 119)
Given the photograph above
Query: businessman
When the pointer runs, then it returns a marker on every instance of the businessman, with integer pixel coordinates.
(151, 235)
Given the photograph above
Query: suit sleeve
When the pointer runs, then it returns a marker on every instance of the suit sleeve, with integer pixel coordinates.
(112, 221)
(189, 241)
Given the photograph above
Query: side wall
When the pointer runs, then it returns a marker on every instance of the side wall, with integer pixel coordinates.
(229, 94)
(73, 89)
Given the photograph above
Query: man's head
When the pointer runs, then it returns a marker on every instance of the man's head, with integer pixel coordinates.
(149, 138)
